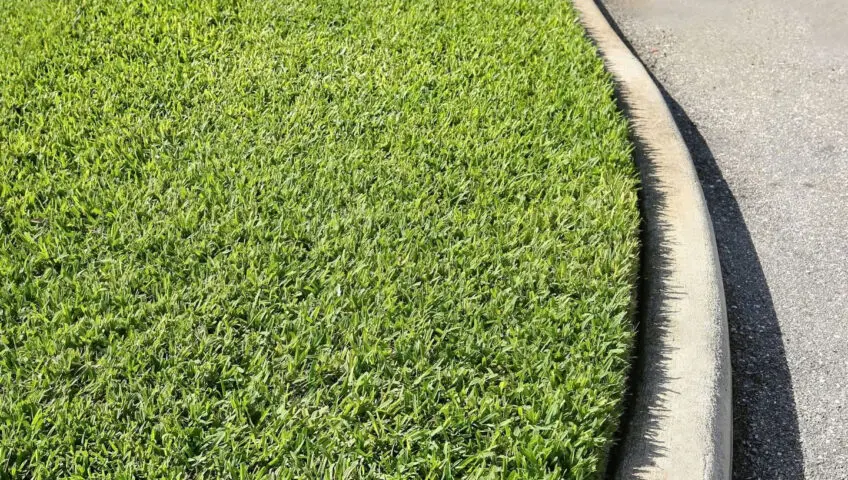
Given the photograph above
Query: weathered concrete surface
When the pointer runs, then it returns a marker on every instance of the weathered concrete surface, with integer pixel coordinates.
(760, 90)
(680, 420)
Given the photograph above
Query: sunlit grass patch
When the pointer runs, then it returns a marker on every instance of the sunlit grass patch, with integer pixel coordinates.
(312, 239)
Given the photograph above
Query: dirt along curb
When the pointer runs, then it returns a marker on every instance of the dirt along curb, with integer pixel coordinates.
(679, 424)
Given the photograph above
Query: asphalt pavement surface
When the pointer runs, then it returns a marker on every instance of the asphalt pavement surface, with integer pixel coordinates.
(759, 89)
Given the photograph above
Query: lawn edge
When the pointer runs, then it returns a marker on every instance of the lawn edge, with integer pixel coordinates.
(680, 415)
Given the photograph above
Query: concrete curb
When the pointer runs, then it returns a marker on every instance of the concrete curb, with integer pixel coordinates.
(680, 424)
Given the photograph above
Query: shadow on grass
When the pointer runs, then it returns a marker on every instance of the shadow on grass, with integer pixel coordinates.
(766, 436)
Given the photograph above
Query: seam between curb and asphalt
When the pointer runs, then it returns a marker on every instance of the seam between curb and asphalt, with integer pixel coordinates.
(680, 422)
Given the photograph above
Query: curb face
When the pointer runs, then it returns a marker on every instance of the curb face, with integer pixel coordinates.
(681, 425)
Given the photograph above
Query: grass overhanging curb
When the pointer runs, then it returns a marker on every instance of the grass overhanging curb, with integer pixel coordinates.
(344, 239)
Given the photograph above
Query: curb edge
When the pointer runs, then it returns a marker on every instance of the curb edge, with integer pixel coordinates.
(681, 422)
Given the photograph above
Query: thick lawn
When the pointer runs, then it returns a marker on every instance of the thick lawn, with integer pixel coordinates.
(310, 239)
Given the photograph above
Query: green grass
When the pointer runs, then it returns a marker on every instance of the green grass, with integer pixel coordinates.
(310, 239)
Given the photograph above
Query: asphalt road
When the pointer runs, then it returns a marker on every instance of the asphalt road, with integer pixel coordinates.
(760, 91)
